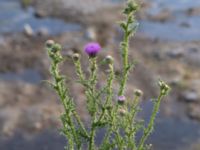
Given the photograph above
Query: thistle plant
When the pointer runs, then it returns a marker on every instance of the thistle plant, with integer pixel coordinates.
(116, 114)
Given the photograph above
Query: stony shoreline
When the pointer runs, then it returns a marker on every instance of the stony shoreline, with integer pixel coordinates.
(29, 108)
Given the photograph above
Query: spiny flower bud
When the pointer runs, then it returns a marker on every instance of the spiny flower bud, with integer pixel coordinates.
(138, 92)
(76, 56)
(131, 7)
(121, 99)
(109, 59)
(92, 49)
(164, 87)
(56, 47)
(49, 43)
(122, 111)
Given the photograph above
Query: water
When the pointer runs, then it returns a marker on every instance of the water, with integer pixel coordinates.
(28, 75)
(172, 30)
(170, 133)
(182, 133)
(46, 140)
(174, 5)
(174, 134)
(13, 19)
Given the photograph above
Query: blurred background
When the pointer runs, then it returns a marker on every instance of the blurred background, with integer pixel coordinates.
(166, 46)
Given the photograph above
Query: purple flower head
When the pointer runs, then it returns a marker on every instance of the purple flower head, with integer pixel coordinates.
(92, 49)
(121, 99)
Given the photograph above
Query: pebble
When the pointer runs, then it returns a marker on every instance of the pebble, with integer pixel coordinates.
(2, 41)
(195, 11)
(190, 96)
(28, 30)
(176, 80)
(192, 56)
(194, 111)
(43, 32)
(185, 25)
(176, 53)
(193, 50)
(162, 16)
(91, 34)
(157, 55)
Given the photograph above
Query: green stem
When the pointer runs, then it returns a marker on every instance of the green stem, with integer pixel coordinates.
(112, 114)
(93, 72)
(91, 141)
(79, 71)
(125, 64)
(76, 138)
(64, 97)
(150, 126)
(109, 91)
(81, 125)
(130, 125)
(92, 82)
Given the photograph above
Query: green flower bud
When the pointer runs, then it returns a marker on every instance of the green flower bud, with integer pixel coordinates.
(122, 111)
(131, 7)
(76, 56)
(138, 92)
(109, 59)
(49, 43)
(55, 48)
(164, 88)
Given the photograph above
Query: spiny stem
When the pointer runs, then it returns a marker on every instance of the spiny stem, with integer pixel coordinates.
(79, 70)
(91, 141)
(109, 91)
(93, 71)
(129, 29)
(150, 126)
(81, 124)
(62, 91)
(92, 81)
(130, 125)
(125, 64)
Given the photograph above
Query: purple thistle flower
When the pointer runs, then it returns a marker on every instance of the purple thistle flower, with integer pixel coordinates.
(92, 49)
(121, 99)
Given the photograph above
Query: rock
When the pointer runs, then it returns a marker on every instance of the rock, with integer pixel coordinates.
(194, 111)
(28, 108)
(193, 50)
(91, 33)
(195, 145)
(190, 96)
(38, 117)
(185, 24)
(157, 55)
(2, 41)
(162, 16)
(175, 53)
(87, 10)
(193, 11)
(40, 14)
(9, 118)
(174, 81)
(43, 32)
(28, 30)
(192, 56)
